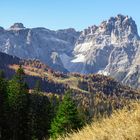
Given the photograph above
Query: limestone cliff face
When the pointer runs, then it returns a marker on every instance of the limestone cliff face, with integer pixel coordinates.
(112, 48)
(38, 43)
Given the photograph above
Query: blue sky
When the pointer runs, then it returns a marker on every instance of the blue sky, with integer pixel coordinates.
(60, 14)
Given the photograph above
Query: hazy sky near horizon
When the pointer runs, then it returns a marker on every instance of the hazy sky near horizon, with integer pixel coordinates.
(60, 14)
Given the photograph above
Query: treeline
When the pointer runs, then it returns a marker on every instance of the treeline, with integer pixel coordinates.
(33, 116)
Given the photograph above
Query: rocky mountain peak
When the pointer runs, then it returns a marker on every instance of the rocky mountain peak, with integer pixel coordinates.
(17, 26)
(121, 25)
(112, 48)
(119, 28)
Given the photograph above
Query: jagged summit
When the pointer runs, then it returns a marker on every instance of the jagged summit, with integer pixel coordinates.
(120, 25)
(17, 26)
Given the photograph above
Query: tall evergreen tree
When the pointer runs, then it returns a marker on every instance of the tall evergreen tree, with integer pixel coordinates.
(18, 102)
(67, 117)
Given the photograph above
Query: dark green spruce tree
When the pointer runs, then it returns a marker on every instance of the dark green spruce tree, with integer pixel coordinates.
(67, 117)
(18, 102)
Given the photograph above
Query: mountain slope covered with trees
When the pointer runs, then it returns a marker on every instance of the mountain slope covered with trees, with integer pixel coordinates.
(31, 113)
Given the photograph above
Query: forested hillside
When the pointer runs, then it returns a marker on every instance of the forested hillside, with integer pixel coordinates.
(34, 112)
